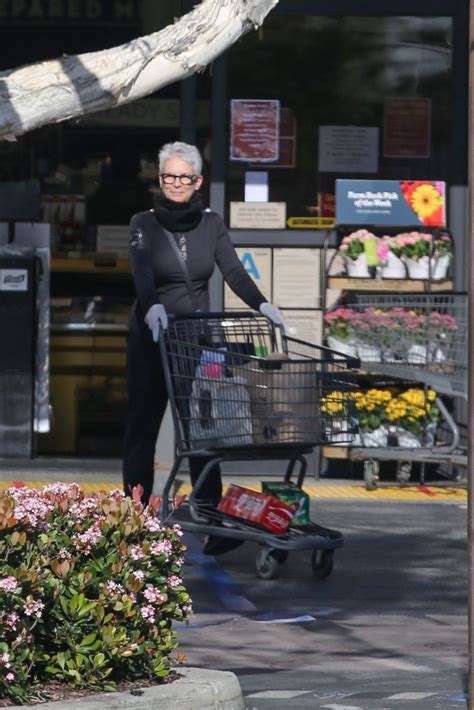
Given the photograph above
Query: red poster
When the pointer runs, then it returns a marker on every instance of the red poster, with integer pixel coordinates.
(255, 130)
(407, 127)
(327, 204)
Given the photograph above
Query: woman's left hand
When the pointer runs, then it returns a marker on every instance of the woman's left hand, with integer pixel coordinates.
(273, 313)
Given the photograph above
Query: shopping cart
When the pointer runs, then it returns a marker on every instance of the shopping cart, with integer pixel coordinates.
(421, 338)
(241, 390)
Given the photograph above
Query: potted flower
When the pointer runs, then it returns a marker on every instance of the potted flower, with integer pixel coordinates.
(442, 255)
(440, 331)
(422, 253)
(365, 325)
(352, 248)
(339, 419)
(389, 254)
(338, 335)
(370, 407)
(416, 415)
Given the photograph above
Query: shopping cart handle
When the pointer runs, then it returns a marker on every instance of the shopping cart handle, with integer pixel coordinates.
(214, 315)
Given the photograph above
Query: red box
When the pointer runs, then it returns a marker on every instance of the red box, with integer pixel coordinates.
(267, 511)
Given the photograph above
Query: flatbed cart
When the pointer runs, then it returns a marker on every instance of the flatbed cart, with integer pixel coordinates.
(241, 390)
(438, 361)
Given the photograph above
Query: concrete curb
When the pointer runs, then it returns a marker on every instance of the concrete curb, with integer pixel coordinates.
(197, 689)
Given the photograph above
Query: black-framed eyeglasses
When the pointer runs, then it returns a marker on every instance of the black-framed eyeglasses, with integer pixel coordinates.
(169, 178)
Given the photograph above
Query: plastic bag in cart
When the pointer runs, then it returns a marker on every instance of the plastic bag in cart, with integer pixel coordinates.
(220, 413)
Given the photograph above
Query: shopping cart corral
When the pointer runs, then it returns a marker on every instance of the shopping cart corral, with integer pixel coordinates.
(241, 390)
(419, 338)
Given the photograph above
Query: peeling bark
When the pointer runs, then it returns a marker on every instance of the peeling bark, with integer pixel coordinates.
(56, 90)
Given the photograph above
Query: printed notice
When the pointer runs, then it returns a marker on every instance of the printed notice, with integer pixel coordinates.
(258, 215)
(257, 262)
(407, 127)
(296, 279)
(304, 325)
(255, 130)
(348, 149)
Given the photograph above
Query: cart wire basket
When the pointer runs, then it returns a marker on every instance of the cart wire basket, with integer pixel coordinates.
(420, 337)
(235, 382)
(239, 389)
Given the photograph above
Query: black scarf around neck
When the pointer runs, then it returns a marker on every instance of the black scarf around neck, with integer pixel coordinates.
(178, 216)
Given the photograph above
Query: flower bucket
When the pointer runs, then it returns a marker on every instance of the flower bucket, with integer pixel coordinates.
(439, 267)
(407, 439)
(417, 354)
(339, 432)
(394, 267)
(369, 353)
(346, 348)
(439, 355)
(357, 269)
(418, 268)
(377, 437)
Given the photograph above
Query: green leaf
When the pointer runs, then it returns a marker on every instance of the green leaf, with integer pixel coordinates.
(89, 639)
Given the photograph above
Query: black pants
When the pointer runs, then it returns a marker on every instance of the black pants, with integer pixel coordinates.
(147, 401)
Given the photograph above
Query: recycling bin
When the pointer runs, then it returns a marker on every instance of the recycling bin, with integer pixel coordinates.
(18, 295)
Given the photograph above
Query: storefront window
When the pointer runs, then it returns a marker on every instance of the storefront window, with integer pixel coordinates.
(388, 77)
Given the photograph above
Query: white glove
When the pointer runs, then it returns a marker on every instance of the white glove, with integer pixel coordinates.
(272, 313)
(156, 318)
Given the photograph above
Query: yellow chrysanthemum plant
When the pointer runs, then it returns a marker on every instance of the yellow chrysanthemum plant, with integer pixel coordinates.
(411, 410)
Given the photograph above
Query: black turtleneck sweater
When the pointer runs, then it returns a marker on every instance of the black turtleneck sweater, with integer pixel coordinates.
(203, 241)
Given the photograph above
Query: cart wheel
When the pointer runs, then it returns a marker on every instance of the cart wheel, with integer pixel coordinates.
(371, 474)
(267, 562)
(322, 563)
(403, 472)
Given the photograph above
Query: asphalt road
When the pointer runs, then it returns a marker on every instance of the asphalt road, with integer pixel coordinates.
(386, 630)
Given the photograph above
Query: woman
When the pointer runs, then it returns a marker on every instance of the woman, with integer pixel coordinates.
(203, 241)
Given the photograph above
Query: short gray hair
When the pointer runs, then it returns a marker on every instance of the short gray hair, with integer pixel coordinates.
(185, 151)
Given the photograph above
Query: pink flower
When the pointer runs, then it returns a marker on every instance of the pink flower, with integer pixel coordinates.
(148, 613)
(174, 581)
(8, 584)
(153, 595)
(10, 677)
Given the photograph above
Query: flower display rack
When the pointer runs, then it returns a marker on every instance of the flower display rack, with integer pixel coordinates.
(404, 325)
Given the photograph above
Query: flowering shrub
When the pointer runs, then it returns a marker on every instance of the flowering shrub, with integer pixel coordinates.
(352, 245)
(410, 409)
(89, 587)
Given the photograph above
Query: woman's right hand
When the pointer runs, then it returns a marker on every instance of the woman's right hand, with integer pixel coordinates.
(156, 319)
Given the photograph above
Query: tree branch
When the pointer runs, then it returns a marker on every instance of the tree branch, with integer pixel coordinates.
(56, 90)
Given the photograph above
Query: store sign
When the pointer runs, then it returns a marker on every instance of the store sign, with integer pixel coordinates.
(257, 215)
(390, 202)
(348, 149)
(407, 127)
(65, 11)
(310, 222)
(145, 113)
(257, 262)
(255, 130)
